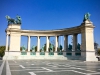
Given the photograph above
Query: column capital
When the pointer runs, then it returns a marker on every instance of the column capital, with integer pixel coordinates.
(39, 36)
(28, 36)
(65, 35)
(75, 34)
(47, 36)
(7, 34)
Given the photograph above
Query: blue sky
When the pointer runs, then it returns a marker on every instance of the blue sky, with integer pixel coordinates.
(48, 15)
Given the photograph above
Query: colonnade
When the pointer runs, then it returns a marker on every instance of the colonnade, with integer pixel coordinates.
(85, 29)
(74, 46)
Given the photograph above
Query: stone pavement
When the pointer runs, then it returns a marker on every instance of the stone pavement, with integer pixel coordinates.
(49, 67)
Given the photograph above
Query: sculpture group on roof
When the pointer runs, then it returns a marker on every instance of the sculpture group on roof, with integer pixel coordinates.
(17, 20)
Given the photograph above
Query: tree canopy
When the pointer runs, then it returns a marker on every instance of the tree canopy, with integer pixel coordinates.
(2, 51)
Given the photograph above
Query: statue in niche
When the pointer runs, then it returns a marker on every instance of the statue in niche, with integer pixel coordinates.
(23, 48)
(51, 48)
(33, 48)
(60, 48)
(42, 50)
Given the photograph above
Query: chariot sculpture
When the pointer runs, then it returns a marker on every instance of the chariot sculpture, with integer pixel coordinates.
(17, 20)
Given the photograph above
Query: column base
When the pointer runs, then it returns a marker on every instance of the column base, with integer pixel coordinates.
(85, 56)
(89, 56)
(73, 53)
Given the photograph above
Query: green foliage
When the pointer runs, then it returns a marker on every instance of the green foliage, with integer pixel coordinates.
(20, 48)
(2, 51)
(78, 46)
(35, 48)
(49, 47)
(58, 49)
(61, 47)
(44, 47)
(70, 47)
(98, 51)
(96, 45)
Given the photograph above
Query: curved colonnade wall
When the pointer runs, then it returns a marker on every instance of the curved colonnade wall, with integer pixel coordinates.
(85, 29)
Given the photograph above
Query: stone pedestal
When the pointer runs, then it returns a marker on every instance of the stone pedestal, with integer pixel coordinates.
(14, 40)
(73, 53)
(14, 36)
(89, 56)
(87, 39)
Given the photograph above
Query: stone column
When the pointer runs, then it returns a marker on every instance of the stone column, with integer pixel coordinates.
(29, 43)
(47, 45)
(74, 42)
(56, 43)
(38, 44)
(7, 42)
(74, 46)
(65, 42)
(87, 40)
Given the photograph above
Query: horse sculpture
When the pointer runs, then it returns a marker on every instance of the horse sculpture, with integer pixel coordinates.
(18, 19)
(10, 20)
(13, 21)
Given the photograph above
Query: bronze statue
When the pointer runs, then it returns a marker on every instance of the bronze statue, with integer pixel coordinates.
(86, 17)
(33, 48)
(13, 21)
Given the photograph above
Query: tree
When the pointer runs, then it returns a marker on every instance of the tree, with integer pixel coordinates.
(36, 48)
(98, 51)
(78, 46)
(70, 47)
(20, 48)
(96, 45)
(2, 51)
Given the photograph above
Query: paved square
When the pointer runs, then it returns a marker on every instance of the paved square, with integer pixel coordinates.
(49, 67)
